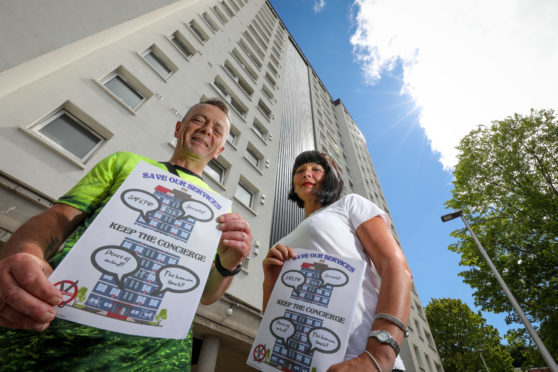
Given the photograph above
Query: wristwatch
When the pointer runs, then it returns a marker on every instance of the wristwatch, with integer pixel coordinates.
(384, 337)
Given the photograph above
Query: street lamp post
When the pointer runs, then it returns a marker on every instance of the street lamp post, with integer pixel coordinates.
(540, 345)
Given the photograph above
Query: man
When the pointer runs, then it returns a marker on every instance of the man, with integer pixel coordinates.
(28, 299)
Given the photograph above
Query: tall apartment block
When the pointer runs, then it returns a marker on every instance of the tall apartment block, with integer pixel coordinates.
(81, 79)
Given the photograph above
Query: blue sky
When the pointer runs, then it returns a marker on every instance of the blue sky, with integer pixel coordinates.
(395, 82)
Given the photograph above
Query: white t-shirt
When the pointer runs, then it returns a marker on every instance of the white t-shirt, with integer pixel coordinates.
(333, 230)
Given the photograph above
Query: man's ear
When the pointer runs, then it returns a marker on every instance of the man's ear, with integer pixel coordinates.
(218, 152)
(177, 129)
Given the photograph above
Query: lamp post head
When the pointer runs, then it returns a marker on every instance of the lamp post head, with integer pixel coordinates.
(451, 216)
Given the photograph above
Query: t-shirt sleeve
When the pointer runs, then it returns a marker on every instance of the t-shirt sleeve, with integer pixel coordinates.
(361, 210)
(93, 188)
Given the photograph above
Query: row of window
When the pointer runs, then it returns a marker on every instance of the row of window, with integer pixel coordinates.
(77, 136)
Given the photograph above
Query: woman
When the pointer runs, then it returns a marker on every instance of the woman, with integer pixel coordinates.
(350, 226)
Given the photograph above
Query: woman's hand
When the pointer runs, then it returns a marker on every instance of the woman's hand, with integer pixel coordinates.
(272, 265)
(273, 262)
(361, 363)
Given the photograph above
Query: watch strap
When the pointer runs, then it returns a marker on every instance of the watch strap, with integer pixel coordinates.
(222, 270)
(377, 334)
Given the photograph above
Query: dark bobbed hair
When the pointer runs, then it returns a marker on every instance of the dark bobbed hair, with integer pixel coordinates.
(332, 186)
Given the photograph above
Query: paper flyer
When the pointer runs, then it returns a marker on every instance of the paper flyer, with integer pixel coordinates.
(307, 321)
(141, 266)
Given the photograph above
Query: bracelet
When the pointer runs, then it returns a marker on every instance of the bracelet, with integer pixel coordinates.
(373, 360)
(395, 321)
(222, 270)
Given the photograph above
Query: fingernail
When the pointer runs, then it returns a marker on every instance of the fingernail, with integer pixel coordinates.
(47, 316)
(220, 219)
(55, 300)
(40, 326)
(220, 226)
(225, 241)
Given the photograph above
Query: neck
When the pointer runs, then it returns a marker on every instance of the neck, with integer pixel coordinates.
(194, 165)
(311, 207)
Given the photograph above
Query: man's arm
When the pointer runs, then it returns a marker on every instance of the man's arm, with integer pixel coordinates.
(26, 295)
(234, 247)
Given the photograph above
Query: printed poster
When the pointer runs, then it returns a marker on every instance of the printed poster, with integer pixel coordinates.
(141, 266)
(307, 322)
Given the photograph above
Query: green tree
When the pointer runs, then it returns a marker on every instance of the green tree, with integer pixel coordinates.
(161, 316)
(522, 349)
(461, 335)
(81, 294)
(506, 183)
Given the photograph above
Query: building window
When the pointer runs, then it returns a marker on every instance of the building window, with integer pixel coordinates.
(244, 195)
(180, 42)
(236, 54)
(160, 63)
(231, 98)
(259, 129)
(233, 73)
(234, 5)
(198, 31)
(264, 109)
(252, 42)
(270, 80)
(216, 171)
(253, 156)
(70, 132)
(267, 92)
(128, 90)
(227, 8)
(219, 14)
(419, 359)
(258, 37)
(75, 137)
(232, 139)
(252, 56)
(210, 22)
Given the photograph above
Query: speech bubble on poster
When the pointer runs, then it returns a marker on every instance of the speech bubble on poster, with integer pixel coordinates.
(334, 277)
(196, 210)
(141, 201)
(293, 279)
(177, 279)
(282, 328)
(323, 340)
(116, 262)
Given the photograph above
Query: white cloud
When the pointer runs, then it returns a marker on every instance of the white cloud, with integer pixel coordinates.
(319, 5)
(464, 62)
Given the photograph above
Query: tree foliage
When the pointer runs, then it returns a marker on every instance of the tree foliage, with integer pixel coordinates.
(461, 335)
(506, 183)
(522, 349)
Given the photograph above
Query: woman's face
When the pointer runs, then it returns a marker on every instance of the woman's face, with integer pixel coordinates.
(307, 180)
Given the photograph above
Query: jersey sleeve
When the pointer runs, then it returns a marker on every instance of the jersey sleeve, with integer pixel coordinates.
(360, 210)
(93, 188)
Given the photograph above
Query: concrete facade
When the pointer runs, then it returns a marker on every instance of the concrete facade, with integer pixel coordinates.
(60, 61)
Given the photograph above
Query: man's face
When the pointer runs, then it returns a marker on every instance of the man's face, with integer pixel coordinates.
(203, 132)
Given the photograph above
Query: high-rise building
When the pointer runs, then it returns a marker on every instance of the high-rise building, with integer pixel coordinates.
(83, 79)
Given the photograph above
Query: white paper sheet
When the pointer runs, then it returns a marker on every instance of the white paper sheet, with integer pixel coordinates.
(141, 266)
(307, 321)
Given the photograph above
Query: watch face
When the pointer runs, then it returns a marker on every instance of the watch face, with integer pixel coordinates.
(383, 336)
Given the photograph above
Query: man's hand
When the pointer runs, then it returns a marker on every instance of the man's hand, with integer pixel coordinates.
(234, 247)
(27, 297)
(236, 240)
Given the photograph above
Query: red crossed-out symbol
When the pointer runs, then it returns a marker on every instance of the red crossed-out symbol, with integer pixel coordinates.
(259, 353)
(68, 289)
